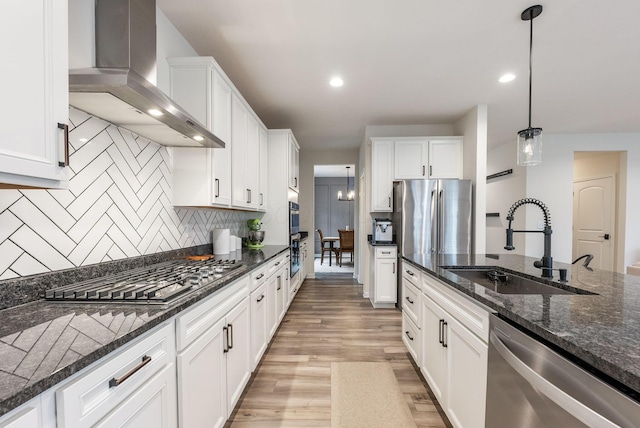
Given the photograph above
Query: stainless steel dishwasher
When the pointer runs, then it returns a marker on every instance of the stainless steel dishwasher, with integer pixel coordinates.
(530, 385)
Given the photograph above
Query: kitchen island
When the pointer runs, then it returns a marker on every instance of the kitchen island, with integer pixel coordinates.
(601, 330)
(43, 343)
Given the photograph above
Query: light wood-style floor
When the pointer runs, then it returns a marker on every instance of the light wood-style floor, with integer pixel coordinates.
(328, 321)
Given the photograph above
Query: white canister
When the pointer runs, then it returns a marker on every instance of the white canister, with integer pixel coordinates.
(220, 238)
(232, 243)
(238, 243)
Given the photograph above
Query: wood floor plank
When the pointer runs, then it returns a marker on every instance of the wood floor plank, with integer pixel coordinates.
(328, 321)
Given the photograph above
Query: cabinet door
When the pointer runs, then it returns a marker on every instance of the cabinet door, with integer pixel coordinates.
(239, 146)
(385, 278)
(25, 416)
(466, 376)
(221, 127)
(263, 182)
(445, 158)
(281, 294)
(272, 306)
(381, 176)
(293, 164)
(152, 405)
(34, 85)
(252, 162)
(434, 354)
(202, 386)
(238, 357)
(258, 324)
(411, 159)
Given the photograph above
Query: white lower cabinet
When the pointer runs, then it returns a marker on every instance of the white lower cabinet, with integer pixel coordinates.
(134, 387)
(214, 366)
(38, 412)
(384, 292)
(258, 324)
(453, 358)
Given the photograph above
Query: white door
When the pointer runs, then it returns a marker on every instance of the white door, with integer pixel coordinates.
(410, 159)
(221, 128)
(445, 158)
(239, 147)
(272, 305)
(238, 357)
(593, 220)
(385, 288)
(433, 365)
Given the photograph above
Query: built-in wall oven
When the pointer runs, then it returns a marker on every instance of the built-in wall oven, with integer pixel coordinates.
(294, 237)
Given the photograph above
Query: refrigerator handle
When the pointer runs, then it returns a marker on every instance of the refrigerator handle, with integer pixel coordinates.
(434, 219)
(441, 222)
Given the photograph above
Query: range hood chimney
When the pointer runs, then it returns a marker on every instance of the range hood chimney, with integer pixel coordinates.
(121, 88)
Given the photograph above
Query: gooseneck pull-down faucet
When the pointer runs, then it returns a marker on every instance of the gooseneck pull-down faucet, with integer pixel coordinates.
(546, 263)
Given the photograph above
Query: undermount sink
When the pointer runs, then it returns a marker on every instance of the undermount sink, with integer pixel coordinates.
(508, 282)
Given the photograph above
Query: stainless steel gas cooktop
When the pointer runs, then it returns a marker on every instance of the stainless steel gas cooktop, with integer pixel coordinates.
(160, 283)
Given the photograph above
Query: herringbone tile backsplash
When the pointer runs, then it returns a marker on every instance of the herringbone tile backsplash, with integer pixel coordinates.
(118, 205)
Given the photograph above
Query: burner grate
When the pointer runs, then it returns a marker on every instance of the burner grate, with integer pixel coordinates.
(160, 283)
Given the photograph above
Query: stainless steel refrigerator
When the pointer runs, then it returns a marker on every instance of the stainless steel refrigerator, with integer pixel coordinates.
(432, 217)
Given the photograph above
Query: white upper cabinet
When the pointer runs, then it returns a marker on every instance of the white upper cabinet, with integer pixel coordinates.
(264, 179)
(251, 162)
(411, 158)
(34, 85)
(202, 177)
(294, 164)
(239, 137)
(424, 157)
(445, 158)
(381, 175)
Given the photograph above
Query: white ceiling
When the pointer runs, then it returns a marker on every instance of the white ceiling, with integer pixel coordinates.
(334, 171)
(422, 62)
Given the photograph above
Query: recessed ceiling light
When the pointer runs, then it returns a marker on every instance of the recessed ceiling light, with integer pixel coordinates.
(154, 112)
(507, 78)
(336, 82)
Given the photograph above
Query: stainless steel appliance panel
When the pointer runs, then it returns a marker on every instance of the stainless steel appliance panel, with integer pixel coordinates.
(417, 216)
(530, 385)
(454, 217)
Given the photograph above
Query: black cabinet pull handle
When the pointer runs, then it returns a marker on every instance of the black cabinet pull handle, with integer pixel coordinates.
(225, 331)
(296, 181)
(277, 265)
(408, 335)
(259, 299)
(430, 170)
(65, 128)
(259, 276)
(440, 340)
(261, 199)
(248, 196)
(409, 272)
(444, 333)
(394, 267)
(230, 331)
(409, 300)
(423, 168)
(389, 201)
(217, 188)
(117, 382)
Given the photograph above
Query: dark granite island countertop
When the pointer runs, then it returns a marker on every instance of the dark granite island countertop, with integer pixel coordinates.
(601, 329)
(42, 343)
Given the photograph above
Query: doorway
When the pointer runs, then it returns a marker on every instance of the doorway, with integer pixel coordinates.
(597, 219)
(334, 209)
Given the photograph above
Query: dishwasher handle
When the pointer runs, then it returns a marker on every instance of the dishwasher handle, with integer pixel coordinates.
(567, 402)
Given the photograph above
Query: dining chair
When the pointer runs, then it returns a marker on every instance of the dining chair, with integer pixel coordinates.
(346, 244)
(326, 246)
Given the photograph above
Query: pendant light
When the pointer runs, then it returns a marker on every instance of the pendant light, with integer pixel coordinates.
(350, 194)
(530, 139)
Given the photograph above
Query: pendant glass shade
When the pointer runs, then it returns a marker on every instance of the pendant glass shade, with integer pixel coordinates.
(530, 147)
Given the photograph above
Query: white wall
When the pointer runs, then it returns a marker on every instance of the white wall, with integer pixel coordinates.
(552, 183)
(502, 192)
(473, 127)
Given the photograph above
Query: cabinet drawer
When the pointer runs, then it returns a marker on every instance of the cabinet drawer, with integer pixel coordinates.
(410, 301)
(258, 277)
(386, 252)
(411, 337)
(471, 314)
(274, 265)
(197, 319)
(108, 382)
(411, 274)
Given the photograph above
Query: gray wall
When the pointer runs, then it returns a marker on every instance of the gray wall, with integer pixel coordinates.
(331, 214)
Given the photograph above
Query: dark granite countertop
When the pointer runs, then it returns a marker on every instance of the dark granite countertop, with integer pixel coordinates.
(601, 330)
(304, 235)
(43, 343)
(380, 243)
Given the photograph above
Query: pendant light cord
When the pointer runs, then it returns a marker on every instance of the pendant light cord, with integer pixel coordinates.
(530, 61)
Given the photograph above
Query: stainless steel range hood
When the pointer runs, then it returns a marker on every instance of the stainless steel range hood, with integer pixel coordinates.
(121, 89)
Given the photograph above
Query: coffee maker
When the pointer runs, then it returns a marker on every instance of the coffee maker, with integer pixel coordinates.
(382, 230)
